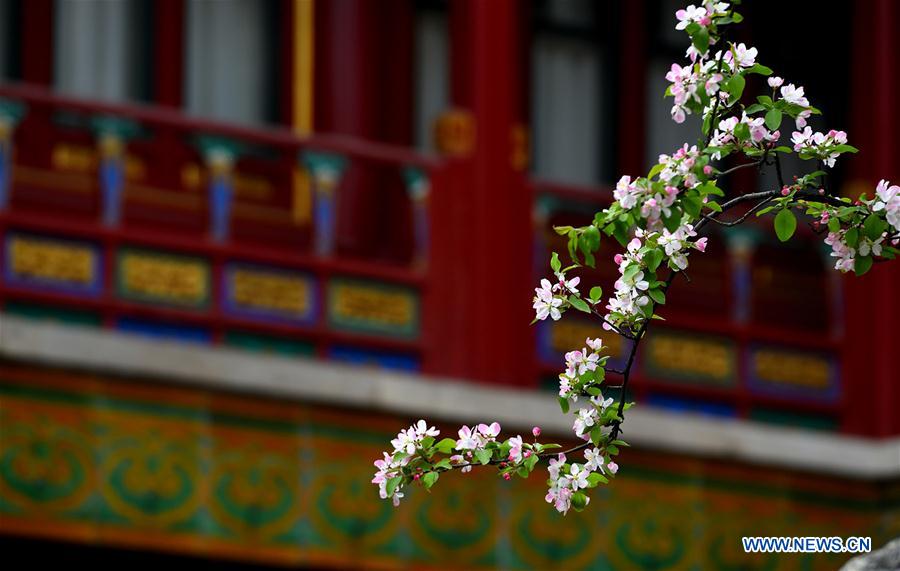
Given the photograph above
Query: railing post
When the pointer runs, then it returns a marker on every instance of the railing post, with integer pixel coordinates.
(10, 114)
(221, 192)
(220, 156)
(418, 188)
(326, 170)
(112, 136)
(741, 243)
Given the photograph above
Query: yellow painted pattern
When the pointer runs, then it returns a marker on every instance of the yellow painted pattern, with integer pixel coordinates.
(164, 277)
(268, 290)
(51, 260)
(795, 369)
(376, 305)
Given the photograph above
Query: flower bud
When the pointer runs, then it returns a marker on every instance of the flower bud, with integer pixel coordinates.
(536, 431)
(506, 476)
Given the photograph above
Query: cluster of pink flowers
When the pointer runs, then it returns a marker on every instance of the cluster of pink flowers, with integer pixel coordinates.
(472, 439)
(846, 256)
(795, 96)
(724, 136)
(740, 56)
(630, 294)
(680, 164)
(578, 363)
(569, 479)
(818, 145)
(654, 205)
(686, 84)
(677, 244)
(406, 444)
(550, 300)
(589, 417)
(627, 305)
(887, 198)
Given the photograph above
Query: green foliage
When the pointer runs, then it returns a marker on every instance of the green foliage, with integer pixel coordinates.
(785, 224)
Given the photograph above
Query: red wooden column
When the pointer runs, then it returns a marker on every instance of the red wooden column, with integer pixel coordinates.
(37, 41)
(168, 52)
(632, 80)
(485, 272)
(871, 377)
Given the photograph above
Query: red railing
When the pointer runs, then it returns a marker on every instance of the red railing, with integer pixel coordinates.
(144, 218)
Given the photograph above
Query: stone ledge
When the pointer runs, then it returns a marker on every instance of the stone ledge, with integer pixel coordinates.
(221, 368)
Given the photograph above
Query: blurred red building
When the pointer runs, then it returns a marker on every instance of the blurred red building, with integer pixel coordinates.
(374, 184)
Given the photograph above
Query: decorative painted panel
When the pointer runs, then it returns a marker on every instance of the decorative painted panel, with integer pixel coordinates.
(163, 278)
(556, 338)
(269, 294)
(373, 307)
(46, 262)
(793, 373)
(113, 463)
(689, 358)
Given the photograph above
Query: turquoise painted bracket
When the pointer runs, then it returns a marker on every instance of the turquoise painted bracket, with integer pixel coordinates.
(418, 187)
(119, 127)
(12, 110)
(321, 163)
(212, 144)
(326, 169)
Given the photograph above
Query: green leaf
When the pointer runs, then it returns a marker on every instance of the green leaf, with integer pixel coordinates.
(851, 238)
(785, 224)
(591, 238)
(596, 478)
(564, 404)
(657, 295)
(391, 485)
(846, 149)
(742, 132)
(714, 206)
(701, 39)
(596, 434)
(834, 224)
(596, 293)
(755, 108)
(579, 304)
(484, 456)
(579, 501)
(445, 445)
(653, 258)
(531, 461)
(429, 479)
(773, 119)
(573, 245)
(613, 449)
(554, 262)
(735, 87)
(862, 265)
(657, 168)
(874, 227)
(692, 205)
(443, 464)
(672, 222)
(631, 271)
(759, 69)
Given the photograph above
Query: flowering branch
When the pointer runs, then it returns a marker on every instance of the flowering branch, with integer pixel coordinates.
(658, 219)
